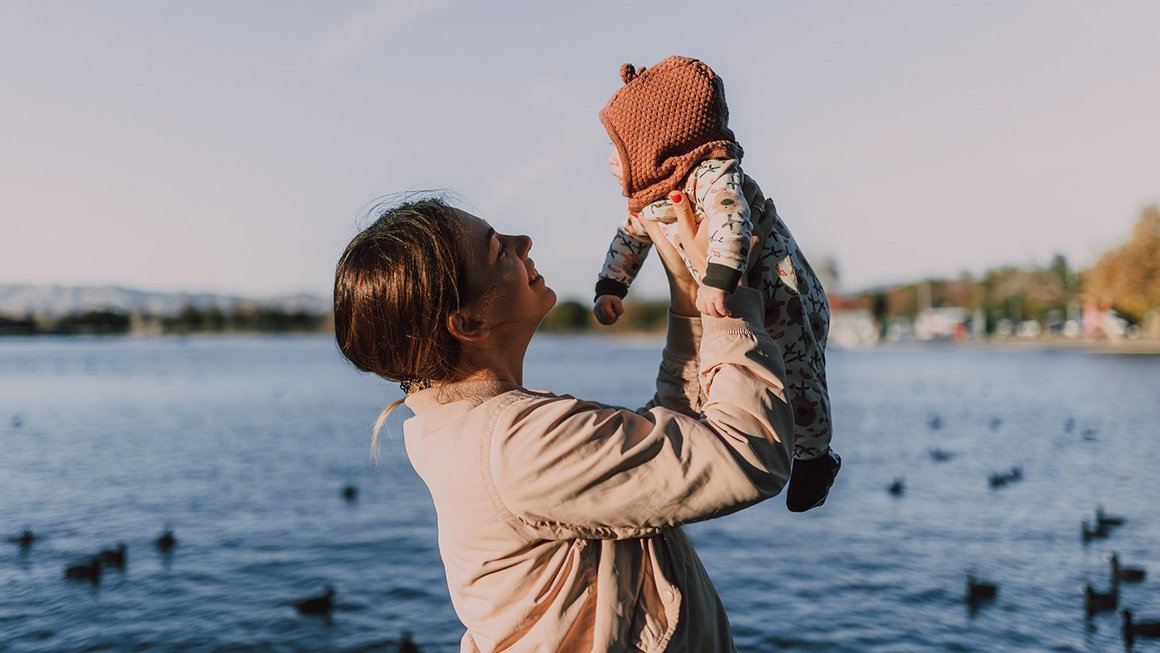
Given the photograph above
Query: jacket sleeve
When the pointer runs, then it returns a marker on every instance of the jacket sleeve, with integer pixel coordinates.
(678, 384)
(566, 468)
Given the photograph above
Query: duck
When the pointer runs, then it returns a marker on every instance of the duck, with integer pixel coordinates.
(319, 606)
(996, 422)
(89, 570)
(350, 492)
(407, 645)
(1126, 574)
(897, 487)
(941, 455)
(17, 421)
(1106, 520)
(935, 422)
(1069, 425)
(979, 591)
(1003, 478)
(114, 557)
(1094, 601)
(25, 540)
(166, 541)
(1134, 629)
(1088, 533)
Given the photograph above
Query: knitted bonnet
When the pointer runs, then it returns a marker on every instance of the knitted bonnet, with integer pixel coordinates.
(665, 120)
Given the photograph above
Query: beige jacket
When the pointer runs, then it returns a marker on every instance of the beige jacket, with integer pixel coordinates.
(559, 519)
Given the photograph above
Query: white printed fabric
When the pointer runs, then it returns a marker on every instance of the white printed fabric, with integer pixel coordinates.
(797, 314)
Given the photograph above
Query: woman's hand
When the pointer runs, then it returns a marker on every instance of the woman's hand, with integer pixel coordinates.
(694, 241)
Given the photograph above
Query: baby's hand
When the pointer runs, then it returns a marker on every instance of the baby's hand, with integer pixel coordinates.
(711, 301)
(608, 309)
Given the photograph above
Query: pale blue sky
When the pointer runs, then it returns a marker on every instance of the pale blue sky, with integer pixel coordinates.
(233, 146)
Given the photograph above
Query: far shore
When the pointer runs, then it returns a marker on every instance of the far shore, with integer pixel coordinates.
(1121, 346)
(1140, 346)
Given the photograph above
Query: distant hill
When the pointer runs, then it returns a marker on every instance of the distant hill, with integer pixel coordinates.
(18, 300)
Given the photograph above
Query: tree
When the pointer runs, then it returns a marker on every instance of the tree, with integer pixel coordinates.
(568, 317)
(1128, 277)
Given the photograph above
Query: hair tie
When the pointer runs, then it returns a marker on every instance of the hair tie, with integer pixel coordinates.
(410, 383)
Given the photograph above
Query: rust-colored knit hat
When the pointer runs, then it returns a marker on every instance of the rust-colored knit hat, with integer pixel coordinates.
(664, 121)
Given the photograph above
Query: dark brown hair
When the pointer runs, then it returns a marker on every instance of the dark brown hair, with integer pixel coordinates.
(394, 288)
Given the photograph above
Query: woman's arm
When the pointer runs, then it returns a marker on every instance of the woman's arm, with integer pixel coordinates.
(678, 386)
(568, 468)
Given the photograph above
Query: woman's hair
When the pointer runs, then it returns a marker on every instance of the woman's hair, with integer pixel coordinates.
(396, 284)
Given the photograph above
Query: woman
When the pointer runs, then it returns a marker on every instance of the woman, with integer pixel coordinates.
(559, 519)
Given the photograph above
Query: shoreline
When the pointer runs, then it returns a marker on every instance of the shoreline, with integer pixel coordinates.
(1134, 347)
(1145, 347)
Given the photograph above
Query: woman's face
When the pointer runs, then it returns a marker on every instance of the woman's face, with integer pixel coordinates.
(503, 281)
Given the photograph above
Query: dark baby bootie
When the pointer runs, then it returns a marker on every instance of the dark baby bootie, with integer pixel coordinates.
(810, 481)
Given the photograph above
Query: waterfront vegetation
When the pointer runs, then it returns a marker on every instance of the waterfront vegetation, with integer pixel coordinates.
(189, 319)
(1125, 282)
(1126, 279)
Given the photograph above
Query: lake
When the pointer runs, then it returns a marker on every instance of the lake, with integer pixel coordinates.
(243, 444)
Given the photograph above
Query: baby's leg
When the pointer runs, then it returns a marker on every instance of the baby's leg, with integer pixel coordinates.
(797, 318)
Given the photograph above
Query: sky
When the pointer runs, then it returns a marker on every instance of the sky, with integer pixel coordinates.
(237, 147)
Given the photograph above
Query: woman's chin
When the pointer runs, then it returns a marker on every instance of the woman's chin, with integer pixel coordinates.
(550, 302)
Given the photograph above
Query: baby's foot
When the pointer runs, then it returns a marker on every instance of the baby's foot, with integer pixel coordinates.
(810, 481)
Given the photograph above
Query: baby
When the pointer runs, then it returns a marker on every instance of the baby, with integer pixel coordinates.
(670, 132)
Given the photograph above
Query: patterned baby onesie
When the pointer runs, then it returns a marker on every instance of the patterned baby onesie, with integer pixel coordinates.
(797, 315)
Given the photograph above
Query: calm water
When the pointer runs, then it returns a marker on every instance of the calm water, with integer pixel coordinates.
(243, 444)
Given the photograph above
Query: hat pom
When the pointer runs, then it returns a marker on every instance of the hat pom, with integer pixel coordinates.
(628, 72)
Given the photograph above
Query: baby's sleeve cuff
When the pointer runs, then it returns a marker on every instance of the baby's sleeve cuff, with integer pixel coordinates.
(722, 277)
(606, 286)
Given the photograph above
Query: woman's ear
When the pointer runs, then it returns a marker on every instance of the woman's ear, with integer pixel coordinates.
(466, 328)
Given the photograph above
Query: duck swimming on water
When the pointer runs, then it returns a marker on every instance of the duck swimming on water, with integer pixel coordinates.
(1094, 601)
(166, 541)
(89, 570)
(979, 591)
(1126, 574)
(317, 606)
(1134, 629)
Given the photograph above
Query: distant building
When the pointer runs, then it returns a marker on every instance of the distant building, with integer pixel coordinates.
(945, 323)
(851, 327)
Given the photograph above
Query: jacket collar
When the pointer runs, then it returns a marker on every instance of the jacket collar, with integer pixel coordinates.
(450, 392)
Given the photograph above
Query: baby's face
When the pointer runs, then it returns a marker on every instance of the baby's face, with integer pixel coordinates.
(614, 163)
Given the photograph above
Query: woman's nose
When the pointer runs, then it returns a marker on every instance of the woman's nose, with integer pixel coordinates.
(523, 245)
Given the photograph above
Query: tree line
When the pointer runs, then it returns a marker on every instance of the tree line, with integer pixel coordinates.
(1126, 279)
(190, 319)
